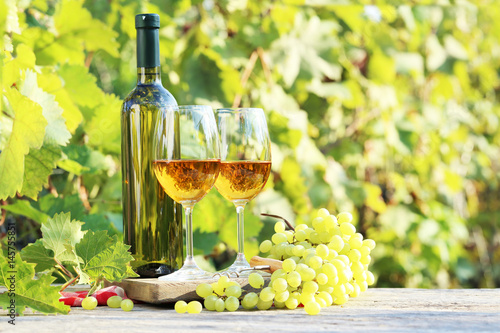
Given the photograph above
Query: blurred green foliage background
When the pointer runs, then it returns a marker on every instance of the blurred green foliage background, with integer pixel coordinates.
(387, 111)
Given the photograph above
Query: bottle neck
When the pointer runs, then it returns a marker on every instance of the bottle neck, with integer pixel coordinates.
(148, 75)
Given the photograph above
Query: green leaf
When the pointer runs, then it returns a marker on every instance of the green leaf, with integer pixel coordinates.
(56, 131)
(23, 207)
(60, 231)
(25, 59)
(103, 129)
(37, 169)
(38, 254)
(50, 82)
(92, 244)
(111, 263)
(74, 21)
(27, 132)
(81, 85)
(38, 294)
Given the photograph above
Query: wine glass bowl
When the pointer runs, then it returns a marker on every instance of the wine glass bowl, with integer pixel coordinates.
(186, 164)
(245, 164)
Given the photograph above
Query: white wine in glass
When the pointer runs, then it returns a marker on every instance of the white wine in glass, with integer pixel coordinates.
(245, 164)
(187, 161)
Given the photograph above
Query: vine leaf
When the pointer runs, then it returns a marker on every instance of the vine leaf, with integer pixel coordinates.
(28, 131)
(37, 294)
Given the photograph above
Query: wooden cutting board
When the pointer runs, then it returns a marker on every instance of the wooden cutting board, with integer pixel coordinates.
(157, 292)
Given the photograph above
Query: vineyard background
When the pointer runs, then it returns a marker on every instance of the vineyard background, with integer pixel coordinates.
(389, 112)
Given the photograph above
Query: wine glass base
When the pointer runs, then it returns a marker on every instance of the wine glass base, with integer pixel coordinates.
(239, 266)
(189, 272)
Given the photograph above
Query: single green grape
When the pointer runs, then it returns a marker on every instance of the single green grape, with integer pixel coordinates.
(322, 251)
(233, 291)
(315, 262)
(279, 226)
(310, 287)
(344, 217)
(204, 290)
(89, 303)
(114, 301)
(194, 307)
(370, 243)
(355, 242)
(329, 270)
(223, 281)
(232, 303)
(127, 305)
(250, 301)
(364, 251)
(256, 280)
(264, 305)
(370, 279)
(282, 296)
(279, 238)
(321, 278)
(312, 308)
(294, 279)
(292, 303)
(279, 285)
(265, 246)
(347, 229)
(210, 302)
(300, 235)
(180, 307)
(354, 255)
(298, 250)
(220, 305)
(336, 244)
(267, 294)
(289, 265)
(323, 212)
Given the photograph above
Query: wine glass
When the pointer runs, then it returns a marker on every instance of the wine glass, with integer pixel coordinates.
(186, 164)
(245, 164)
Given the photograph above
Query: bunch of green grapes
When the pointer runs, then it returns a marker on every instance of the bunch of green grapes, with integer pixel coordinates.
(322, 265)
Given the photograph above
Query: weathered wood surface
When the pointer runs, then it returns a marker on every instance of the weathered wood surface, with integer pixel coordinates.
(401, 310)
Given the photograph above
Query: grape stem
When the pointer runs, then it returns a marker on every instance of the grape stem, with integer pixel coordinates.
(290, 227)
(68, 283)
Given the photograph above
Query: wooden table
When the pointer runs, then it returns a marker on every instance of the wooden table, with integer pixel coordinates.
(401, 310)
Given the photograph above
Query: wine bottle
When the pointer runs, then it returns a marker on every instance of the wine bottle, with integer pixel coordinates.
(152, 221)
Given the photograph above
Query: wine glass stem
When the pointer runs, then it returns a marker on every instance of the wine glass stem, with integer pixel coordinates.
(240, 211)
(188, 211)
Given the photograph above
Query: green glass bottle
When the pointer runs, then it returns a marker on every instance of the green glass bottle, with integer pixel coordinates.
(152, 221)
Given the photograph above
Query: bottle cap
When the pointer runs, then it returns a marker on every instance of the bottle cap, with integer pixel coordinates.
(150, 21)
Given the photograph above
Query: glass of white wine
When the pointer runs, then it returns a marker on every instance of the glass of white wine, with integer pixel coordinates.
(186, 161)
(245, 165)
